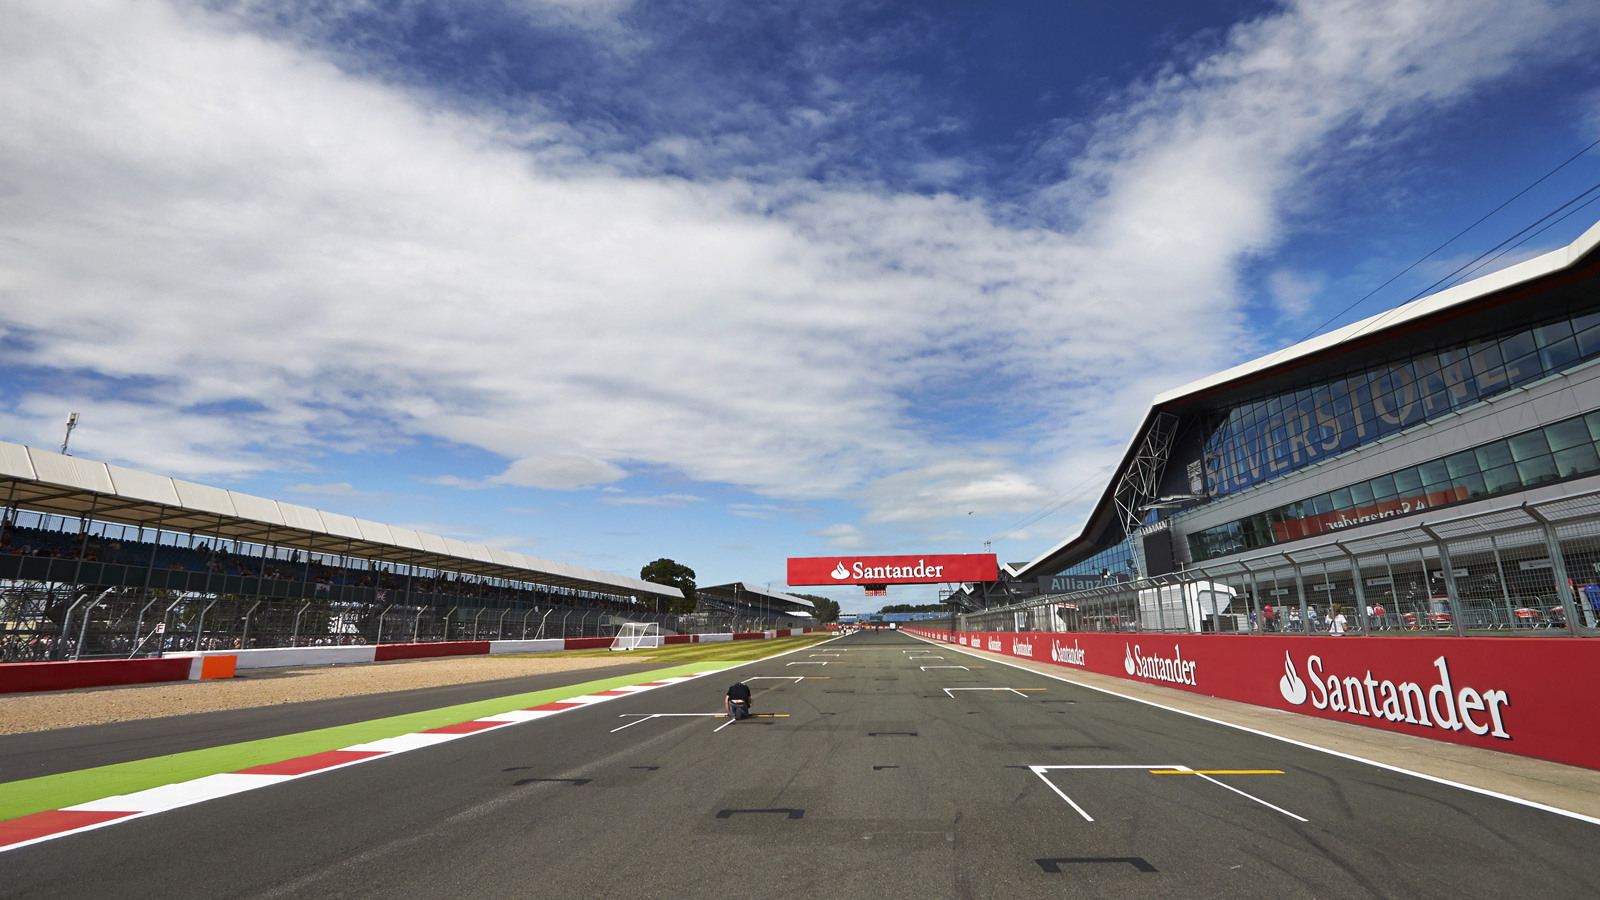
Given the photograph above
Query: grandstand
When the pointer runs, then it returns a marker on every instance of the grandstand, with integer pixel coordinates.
(98, 559)
(751, 604)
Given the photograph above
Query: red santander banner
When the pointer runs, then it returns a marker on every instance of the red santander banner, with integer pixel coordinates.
(1290, 529)
(1519, 695)
(923, 569)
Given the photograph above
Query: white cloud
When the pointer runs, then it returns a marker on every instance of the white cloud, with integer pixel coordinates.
(952, 488)
(514, 543)
(476, 535)
(260, 250)
(768, 511)
(562, 471)
(457, 482)
(655, 500)
(1292, 293)
(843, 536)
(331, 489)
(1589, 113)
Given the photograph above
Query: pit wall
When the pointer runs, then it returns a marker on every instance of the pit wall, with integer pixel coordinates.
(58, 676)
(1532, 696)
(16, 678)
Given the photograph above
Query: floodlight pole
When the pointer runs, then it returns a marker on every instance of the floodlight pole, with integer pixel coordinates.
(72, 422)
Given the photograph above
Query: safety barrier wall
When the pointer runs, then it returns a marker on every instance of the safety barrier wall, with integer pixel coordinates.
(1512, 694)
(543, 645)
(59, 676)
(55, 676)
(387, 652)
(16, 678)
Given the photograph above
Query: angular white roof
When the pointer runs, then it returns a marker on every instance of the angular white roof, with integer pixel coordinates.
(45, 481)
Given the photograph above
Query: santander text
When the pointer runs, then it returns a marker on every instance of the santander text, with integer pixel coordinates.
(1451, 709)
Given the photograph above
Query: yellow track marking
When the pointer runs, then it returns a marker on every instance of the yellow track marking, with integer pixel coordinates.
(1216, 771)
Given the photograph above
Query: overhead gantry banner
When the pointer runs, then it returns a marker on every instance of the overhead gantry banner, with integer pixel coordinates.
(922, 569)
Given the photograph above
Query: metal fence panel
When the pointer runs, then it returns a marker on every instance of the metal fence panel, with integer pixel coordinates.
(1513, 571)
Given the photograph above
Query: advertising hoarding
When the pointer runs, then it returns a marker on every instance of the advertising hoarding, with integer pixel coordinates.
(1495, 693)
(920, 569)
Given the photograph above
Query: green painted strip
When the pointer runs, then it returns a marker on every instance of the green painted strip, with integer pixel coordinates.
(21, 798)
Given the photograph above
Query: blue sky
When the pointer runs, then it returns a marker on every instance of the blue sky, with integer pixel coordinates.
(608, 280)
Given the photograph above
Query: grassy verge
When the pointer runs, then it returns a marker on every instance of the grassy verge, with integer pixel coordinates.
(720, 651)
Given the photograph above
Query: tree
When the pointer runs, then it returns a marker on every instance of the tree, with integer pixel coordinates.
(909, 608)
(673, 574)
(825, 610)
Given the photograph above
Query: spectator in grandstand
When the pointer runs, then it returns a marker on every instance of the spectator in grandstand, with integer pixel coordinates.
(738, 693)
(1268, 623)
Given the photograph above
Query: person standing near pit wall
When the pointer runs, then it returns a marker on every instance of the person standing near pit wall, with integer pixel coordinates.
(1591, 593)
(1336, 622)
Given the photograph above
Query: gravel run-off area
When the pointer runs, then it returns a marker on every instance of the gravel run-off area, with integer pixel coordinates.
(265, 687)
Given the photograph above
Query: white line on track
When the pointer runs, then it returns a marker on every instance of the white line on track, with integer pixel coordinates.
(1251, 796)
(1041, 770)
(645, 717)
(1019, 693)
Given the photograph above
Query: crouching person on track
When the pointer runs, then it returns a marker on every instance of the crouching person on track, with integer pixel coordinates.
(738, 701)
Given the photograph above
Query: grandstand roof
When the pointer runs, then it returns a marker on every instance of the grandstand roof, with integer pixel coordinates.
(1324, 353)
(48, 482)
(755, 595)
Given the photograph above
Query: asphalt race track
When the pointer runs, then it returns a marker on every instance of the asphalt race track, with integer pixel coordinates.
(880, 766)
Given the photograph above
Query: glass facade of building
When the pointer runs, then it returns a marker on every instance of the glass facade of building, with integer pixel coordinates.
(1266, 439)
(1566, 449)
(1118, 563)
